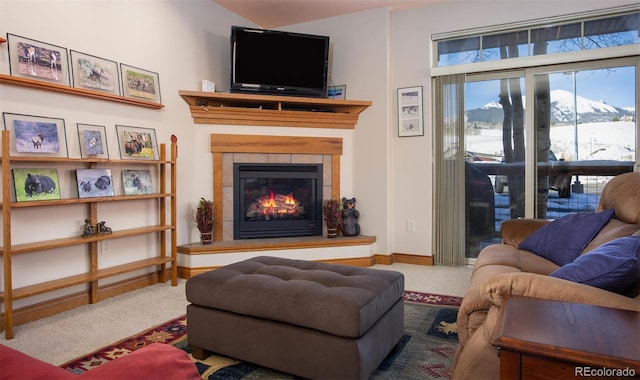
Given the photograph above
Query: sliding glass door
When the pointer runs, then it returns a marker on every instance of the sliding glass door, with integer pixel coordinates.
(554, 160)
(588, 135)
(494, 156)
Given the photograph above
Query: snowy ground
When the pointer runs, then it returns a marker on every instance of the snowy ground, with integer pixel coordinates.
(596, 141)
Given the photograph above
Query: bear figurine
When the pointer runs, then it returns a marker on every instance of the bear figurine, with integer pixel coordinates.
(350, 215)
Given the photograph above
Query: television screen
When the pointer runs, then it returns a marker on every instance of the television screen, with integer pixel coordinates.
(276, 62)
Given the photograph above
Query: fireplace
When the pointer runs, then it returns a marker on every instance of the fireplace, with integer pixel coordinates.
(277, 200)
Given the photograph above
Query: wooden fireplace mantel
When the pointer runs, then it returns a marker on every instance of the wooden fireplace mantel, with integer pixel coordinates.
(272, 110)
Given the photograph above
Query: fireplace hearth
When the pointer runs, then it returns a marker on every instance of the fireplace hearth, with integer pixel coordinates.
(277, 200)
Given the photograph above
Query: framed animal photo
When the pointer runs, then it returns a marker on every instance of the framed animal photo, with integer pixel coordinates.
(337, 92)
(137, 143)
(94, 183)
(36, 184)
(36, 135)
(37, 60)
(137, 182)
(94, 73)
(93, 141)
(410, 121)
(140, 84)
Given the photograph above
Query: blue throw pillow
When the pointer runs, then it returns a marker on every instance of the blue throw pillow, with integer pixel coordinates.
(562, 240)
(612, 266)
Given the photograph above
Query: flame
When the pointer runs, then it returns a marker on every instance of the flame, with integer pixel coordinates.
(271, 202)
(270, 205)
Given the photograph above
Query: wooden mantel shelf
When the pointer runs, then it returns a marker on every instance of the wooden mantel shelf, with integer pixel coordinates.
(272, 110)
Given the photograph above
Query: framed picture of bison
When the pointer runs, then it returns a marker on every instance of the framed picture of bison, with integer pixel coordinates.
(93, 141)
(136, 182)
(94, 183)
(137, 143)
(37, 60)
(140, 84)
(36, 135)
(36, 184)
(94, 73)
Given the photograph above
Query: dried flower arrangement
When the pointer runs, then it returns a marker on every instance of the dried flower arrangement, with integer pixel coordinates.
(332, 212)
(203, 216)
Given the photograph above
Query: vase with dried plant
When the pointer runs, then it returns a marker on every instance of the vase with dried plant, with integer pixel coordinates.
(203, 217)
(332, 215)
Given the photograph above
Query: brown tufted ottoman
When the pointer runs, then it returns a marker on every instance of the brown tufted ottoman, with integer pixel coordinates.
(309, 319)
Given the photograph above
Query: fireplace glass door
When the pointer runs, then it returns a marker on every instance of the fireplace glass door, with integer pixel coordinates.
(273, 200)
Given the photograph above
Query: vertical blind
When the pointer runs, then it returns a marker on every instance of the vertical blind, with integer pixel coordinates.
(449, 193)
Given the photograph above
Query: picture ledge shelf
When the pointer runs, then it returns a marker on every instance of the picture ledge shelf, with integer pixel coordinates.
(272, 110)
(30, 83)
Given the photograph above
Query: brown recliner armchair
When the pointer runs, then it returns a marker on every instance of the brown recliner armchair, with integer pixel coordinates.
(504, 269)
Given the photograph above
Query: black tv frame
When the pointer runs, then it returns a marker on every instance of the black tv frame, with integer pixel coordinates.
(286, 87)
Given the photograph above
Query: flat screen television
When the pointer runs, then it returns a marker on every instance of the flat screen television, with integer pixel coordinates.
(277, 62)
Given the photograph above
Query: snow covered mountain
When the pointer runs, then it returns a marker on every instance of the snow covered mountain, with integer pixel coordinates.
(562, 111)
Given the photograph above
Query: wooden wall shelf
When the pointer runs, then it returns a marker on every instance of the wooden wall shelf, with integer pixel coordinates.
(54, 87)
(166, 224)
(272, 110)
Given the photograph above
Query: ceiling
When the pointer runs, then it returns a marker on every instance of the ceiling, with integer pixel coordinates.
(278, 13)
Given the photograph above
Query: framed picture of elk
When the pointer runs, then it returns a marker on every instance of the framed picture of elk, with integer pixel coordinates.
(36, 135)
(140, 84)
(37, 60)
(137, 143)
(94, 73)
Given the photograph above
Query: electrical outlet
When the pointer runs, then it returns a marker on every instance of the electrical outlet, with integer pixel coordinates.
(411, 226)
(105, 247)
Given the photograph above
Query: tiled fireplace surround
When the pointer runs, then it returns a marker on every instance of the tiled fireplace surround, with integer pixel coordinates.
(230, 149)
(227, 149)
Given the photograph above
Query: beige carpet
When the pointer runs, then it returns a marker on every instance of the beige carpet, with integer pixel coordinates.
(66, 336)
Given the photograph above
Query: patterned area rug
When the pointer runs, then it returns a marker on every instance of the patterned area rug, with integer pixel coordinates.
(425, 351)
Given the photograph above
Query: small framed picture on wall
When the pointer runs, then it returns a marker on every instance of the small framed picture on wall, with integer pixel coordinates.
(94, 183)
(337, 92)
(36, 135)
(37, 60)
(410, 122)
(93, 141)
(140, 84)
(36, 184)
(137, 143)
(94, 73)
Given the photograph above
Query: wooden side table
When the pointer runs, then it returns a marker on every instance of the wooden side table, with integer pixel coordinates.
(544, 339)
